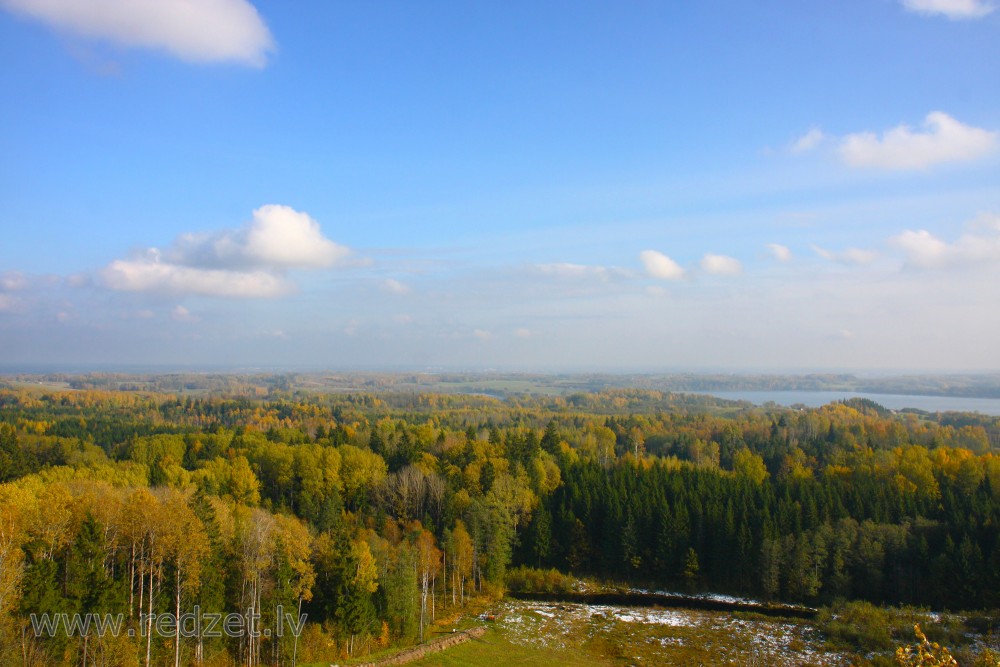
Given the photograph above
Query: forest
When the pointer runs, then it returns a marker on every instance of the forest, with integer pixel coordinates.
(375, 512)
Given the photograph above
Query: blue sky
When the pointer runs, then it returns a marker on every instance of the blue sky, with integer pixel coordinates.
(521, 185)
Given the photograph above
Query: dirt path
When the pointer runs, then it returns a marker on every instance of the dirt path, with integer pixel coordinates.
(433, 646)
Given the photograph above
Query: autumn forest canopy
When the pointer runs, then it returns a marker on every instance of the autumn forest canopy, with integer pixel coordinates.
(373, 512)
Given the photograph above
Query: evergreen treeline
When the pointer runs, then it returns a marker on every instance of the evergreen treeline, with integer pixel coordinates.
(376, 513)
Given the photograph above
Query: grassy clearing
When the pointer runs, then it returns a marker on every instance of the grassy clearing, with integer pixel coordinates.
(531, 633)
(527, 633)
(496, 649)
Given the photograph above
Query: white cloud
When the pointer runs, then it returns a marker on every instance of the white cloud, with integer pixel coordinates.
(276, 237)
(282, 236)
(149, 275)
(393, 286)
(192, 30)
(660, 266)
(922, 248)
(721, 265)
(482, 334)
(953, 9)
(855, 256)
(943, 139)
(571, 271)
(182, 314)
(808, 141)
(779, 252)
(248, 262)
(11, 281)
(986, 221)
(522, 333)
(925, 251)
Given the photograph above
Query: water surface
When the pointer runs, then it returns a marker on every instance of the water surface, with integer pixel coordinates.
(814, 399)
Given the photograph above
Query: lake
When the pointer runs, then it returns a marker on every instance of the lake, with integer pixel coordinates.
(986, 406)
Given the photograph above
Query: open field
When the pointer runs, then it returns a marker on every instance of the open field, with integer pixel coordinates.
(533, 633)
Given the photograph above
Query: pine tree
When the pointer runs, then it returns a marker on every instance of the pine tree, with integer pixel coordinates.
(691, 569)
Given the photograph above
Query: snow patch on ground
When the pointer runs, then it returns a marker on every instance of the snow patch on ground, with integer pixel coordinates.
(663, 631)
(711, 597)
(676, 619)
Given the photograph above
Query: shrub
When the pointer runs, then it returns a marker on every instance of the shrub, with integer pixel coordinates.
(530, 580)
(924, 653)
(858, 625)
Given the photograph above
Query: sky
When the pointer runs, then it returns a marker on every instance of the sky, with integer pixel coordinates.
(525, 185)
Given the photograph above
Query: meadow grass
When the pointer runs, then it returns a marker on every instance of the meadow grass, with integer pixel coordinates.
(546, 634)
(495, 649)
(528, 634)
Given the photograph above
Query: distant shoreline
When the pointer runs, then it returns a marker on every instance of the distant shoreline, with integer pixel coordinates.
(927, 392)
(891, 401)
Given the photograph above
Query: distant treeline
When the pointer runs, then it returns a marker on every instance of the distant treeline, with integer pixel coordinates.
(273, 385)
